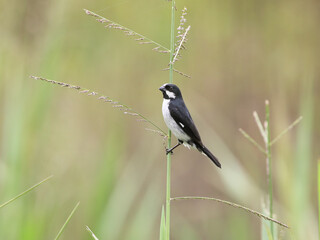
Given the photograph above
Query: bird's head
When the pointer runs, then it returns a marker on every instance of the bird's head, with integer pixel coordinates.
(170, 91)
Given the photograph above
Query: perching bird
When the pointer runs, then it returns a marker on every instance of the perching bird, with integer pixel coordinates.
(179, 121)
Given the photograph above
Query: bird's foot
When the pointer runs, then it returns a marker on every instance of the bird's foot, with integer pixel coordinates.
(169, 151)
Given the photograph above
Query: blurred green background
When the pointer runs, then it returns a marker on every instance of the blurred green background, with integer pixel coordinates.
(239, 54)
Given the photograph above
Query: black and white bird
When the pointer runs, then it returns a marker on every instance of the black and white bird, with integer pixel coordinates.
(179, 121)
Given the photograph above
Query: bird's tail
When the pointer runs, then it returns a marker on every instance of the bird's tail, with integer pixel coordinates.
(206, 151)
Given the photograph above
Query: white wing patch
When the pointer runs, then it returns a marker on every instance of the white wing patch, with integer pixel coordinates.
(181, 124)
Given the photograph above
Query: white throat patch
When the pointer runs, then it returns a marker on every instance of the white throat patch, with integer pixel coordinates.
(171, 95)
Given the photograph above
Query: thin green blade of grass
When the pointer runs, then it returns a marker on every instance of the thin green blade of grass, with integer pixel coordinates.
(269, 164)
(67, 221)
(233, 205)
(25, 192)
(141, 39)
(92, 234)
(124, 108)
(162, 225)
(286, 130)
(247, 136)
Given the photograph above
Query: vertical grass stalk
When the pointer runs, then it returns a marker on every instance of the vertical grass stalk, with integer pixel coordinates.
(168, 196)
(265, 133)
(269, 166)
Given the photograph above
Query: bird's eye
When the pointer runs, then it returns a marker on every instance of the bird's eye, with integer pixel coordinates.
(167, 87)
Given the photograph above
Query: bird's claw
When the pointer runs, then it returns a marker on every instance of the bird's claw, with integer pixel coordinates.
(169, 151)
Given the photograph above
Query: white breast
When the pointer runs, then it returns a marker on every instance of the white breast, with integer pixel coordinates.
(171, 123)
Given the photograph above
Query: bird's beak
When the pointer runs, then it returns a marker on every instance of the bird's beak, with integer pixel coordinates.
(162, 89)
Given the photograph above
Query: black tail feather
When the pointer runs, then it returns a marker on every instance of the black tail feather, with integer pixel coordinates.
(210, 155)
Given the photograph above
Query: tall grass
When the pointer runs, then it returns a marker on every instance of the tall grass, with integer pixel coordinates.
(174, 54)
(241, 53)
(264, 130)
(168, 191)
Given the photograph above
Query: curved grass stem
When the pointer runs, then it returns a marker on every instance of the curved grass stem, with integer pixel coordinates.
(140, 38)
(124, 108)
(233, 205)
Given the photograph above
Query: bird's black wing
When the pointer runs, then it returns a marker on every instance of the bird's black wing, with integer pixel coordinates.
(181, 115)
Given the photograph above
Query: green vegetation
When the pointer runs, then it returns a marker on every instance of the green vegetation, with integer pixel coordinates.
(24, 192)
(66, 222)
(239, 53)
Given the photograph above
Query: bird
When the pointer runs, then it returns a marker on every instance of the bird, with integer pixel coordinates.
(178, 119)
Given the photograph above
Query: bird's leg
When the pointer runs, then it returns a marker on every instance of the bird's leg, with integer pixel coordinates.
(171, 149)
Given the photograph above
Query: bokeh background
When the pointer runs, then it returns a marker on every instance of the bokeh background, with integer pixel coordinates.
(239, 54)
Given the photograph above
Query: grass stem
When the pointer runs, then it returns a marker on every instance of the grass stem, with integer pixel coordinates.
(67, 221)
(265, 133)
(124, 108)
(233, 205)
(269, 166)
(25, 192)
(168, 194)
(286, 130)
(127, 31)
(247, 136)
